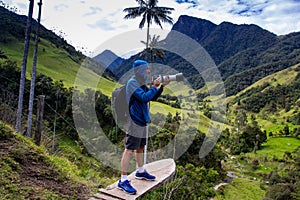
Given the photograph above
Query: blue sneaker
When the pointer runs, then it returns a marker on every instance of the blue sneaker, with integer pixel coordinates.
(145, 176)
(126, 187)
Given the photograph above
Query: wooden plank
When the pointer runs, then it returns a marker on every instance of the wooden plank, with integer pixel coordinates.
(162, 169)
(103, 197)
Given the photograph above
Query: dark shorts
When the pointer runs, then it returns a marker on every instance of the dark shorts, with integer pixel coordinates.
(135, 135)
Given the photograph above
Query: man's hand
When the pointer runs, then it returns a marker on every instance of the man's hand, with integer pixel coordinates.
(156, 82)
(166, 81)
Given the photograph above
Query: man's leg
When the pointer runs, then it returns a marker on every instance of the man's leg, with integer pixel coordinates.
(124, 184)
(125, 161)
(139, 156)
(141, 172)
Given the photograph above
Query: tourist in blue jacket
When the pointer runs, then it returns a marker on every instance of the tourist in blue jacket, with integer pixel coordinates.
(138, 96)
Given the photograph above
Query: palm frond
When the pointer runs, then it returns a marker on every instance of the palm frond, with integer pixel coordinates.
(133, 12)
(157, 21)
(142, 23)
(141, 2)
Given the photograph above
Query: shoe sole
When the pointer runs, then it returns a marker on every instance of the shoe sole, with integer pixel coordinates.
(143, 178)
(126, 191)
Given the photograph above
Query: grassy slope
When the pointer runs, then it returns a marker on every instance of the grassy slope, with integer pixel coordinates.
(27, 172)
(250, 189)
(55, 63)
(272, 122)
(30, 172)
(285, 76)
(277, 146)
(242, 189)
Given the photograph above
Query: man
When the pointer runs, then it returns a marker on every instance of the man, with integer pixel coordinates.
(138, 96)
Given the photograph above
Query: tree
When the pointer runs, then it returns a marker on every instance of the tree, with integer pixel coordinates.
(2, 55)
(149, 11)
(286, 130)
(33, 72)
(155, 51)
(24, 63)
(241, 120)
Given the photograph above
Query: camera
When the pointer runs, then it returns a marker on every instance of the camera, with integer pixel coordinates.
(176, 77)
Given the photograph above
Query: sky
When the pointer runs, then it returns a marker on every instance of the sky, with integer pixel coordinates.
(87, 24)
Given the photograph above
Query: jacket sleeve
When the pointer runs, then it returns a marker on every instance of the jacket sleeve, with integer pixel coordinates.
(160, 90)
(134, 89)
(143, 96)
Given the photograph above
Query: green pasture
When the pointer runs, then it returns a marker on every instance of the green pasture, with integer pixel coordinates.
(241, 189)
(57, 64)
(277, 146)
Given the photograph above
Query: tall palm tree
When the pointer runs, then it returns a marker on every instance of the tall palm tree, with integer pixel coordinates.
(24, 63)
(33, 72)
(153, 49)
(149, 12)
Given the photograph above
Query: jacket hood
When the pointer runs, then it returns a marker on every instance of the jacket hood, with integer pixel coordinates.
(140, 68)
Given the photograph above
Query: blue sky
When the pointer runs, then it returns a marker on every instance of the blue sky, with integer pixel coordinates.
(87, 24)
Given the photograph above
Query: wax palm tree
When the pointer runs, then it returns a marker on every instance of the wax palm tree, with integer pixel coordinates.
(24, 63)
(33, 72)
(149, 12)
(153, 49)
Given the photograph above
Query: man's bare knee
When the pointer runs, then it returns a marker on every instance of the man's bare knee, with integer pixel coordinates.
(140, 150)
(129, 151)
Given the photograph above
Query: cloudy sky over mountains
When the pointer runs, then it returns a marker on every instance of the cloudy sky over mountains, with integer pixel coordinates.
(88, 23)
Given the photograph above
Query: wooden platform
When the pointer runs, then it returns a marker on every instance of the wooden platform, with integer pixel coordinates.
(162, 169)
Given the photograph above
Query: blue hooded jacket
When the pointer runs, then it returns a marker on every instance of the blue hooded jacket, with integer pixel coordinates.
(138, 95)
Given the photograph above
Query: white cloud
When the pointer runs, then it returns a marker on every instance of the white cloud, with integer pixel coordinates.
(94, 11)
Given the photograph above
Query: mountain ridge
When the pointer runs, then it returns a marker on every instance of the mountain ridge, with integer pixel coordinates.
(234, 48)
(109, 60)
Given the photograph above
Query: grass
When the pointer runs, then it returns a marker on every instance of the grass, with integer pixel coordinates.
(57, 64)
(85, 168)
(277, 146)
(274, 148)
(241, 189)
(29, 172)
(244, 188)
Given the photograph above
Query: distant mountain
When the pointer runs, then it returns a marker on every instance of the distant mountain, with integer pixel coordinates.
(225, 40)
(109, 60)
(236, 50)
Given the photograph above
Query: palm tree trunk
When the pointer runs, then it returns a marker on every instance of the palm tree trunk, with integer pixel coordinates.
(24, 63)
(147, 42)
(33, 72)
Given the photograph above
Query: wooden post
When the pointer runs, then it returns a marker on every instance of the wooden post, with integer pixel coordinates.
(39, 119)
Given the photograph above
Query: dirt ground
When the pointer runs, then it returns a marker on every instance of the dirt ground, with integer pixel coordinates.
(34, 176)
